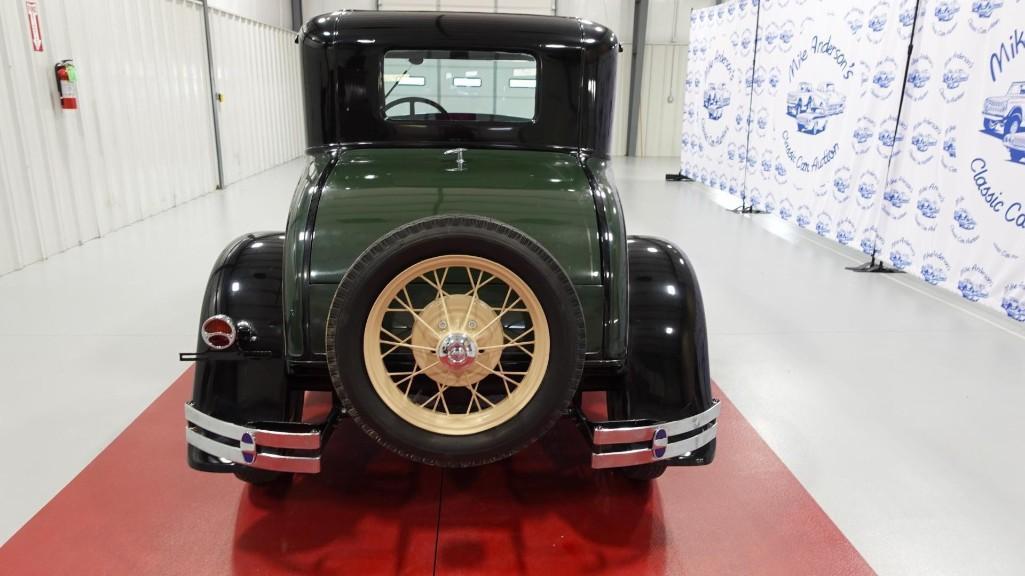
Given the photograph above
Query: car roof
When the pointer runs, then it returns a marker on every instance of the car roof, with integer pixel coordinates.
(459, 29)
(343, 66)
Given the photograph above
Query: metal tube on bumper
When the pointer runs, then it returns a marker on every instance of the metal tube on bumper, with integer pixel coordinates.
(658, 437)
(251, 442)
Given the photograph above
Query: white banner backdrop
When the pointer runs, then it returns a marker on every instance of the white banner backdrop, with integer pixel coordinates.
(718, 94)
(954, 207)
(826, 96)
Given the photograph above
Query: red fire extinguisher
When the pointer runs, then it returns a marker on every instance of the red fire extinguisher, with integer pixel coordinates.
(67, 77)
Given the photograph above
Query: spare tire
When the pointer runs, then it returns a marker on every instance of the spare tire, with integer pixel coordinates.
(455, 341)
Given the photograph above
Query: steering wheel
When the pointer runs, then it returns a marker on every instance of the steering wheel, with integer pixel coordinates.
(412, 101)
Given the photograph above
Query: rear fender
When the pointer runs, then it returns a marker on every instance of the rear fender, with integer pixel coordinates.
(247, 382)
(666, 375)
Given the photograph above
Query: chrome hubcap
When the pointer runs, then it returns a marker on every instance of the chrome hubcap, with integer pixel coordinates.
(457, 350)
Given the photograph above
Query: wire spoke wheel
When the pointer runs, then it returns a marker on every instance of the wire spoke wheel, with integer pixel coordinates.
(455, 340)
(456, 344)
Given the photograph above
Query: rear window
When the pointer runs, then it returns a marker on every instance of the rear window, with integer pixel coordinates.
(461, 85)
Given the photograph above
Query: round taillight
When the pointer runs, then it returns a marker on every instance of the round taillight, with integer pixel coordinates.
(218, 332)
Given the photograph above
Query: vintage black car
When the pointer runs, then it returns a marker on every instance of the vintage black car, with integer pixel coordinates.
(455, 266)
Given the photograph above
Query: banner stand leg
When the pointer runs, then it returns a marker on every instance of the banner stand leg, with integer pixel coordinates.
(678, 177)
(747, 209)
(874, 266)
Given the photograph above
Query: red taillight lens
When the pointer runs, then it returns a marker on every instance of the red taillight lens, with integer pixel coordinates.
(218, 332)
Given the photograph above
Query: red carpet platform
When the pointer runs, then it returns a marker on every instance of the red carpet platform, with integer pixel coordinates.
(138, 509)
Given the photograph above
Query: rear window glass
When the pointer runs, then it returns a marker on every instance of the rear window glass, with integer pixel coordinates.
(462, 85)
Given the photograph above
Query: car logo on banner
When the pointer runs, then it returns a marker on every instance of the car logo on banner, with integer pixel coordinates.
(925, 141)
(868, 189)
(963, 228)
(842, 184)
(855, 20)
(974, 283)
(845, 231)
(985, 15)
(884, 78)
(877, 21)
(896, 198)
(824, 225)
(889, 135)
(803, 216)
(935, 268)
(870, 240)
(861, 138)
(949, 155)
(920, 76)
(786, 209)
(902, 254)
(907, 17)
(945, 17)
(719, 78)
(1013, 301)
(819, 76)
(928, 205)
(956, 72)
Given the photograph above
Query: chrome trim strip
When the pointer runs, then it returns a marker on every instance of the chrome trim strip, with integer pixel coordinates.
(605, 436)
(211, 424)
(265, 438)
(213, 447)
(259, 439)
(647, 456)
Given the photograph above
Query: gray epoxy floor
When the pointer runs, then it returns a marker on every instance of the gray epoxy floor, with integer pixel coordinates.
(895, 404)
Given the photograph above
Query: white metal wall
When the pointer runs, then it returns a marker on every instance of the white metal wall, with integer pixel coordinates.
(142, 139)
(276, 13)
(258, 74)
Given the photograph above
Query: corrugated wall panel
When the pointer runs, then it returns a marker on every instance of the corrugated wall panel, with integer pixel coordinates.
(258, 73)
(140, 141)
(142, 138)
(661, 113)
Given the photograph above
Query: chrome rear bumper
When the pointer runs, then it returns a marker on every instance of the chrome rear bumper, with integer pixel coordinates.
(643, 443)
(256, 447)
(273, 446)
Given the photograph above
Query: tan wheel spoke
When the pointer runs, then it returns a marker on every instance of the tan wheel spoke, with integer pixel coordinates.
(439, 398)
(504, 381)
(508, 345)
(475, 286)
(503, 377)
(397, 342)
(448, 355)
(501, 313)
(442, 295)
(474, 396)
(409, 308)
(518, 344)
(409, 377)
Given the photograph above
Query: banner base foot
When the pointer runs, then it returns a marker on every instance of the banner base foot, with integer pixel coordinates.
(874, 267)
(747, 210)
(678, 178)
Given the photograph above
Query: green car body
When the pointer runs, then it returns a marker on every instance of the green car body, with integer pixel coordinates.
(351, 198)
